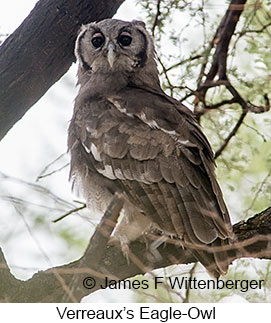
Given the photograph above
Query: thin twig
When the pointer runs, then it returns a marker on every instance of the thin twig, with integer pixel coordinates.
(231, 134)
(52, 172)
(70, 212)
(187, 60)
(41, 175)
(166, 76)
(191, 274)
(258, 191)
(250, 31)
(156, 18)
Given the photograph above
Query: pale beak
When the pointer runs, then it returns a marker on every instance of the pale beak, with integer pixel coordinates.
(111, 55)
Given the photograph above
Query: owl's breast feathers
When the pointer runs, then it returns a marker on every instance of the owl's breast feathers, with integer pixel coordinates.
(150, 147)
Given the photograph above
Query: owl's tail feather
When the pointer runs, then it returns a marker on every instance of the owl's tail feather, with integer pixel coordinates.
(216, 262)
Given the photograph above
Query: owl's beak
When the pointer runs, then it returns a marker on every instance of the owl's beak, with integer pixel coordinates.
(111, 55)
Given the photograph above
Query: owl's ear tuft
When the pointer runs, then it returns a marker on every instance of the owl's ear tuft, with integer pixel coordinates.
(85, 27)
(82, 28)
(139, 23)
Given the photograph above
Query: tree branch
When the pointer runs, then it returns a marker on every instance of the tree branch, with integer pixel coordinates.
(65, 283)
(221, 40)
(40, 51)
(156, 18)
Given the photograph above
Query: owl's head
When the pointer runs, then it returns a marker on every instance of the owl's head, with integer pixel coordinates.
(114, 45)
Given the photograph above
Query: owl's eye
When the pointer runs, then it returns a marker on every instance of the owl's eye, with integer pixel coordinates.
(125, 39)
(97, 40)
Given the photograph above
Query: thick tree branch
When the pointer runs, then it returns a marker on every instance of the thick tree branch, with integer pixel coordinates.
(222, 39)
(65, 283)
(221, 42)
(40, 51)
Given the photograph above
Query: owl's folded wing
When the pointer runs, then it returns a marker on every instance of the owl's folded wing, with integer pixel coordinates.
(163, 165)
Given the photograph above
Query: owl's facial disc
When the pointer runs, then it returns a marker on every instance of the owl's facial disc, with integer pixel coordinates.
(118, 47)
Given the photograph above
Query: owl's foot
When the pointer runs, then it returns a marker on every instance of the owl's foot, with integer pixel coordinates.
(154, 254)
(123, 244)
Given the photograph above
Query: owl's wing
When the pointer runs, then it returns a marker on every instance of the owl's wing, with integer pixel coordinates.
(155, 150)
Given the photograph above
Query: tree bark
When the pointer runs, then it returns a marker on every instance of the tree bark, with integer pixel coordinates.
(40, 51)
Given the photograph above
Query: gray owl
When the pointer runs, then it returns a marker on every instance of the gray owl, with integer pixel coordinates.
(129, 137)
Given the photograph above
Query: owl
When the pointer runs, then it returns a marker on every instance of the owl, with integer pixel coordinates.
(128, 137)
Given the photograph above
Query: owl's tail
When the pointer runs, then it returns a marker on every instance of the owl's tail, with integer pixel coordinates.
(216, 261)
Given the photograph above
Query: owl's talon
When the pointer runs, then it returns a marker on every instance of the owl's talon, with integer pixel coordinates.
(153, 247)
(125, 251)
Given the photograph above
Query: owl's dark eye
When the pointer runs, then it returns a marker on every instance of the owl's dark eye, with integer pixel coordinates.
(124, 39)
(97, 41)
